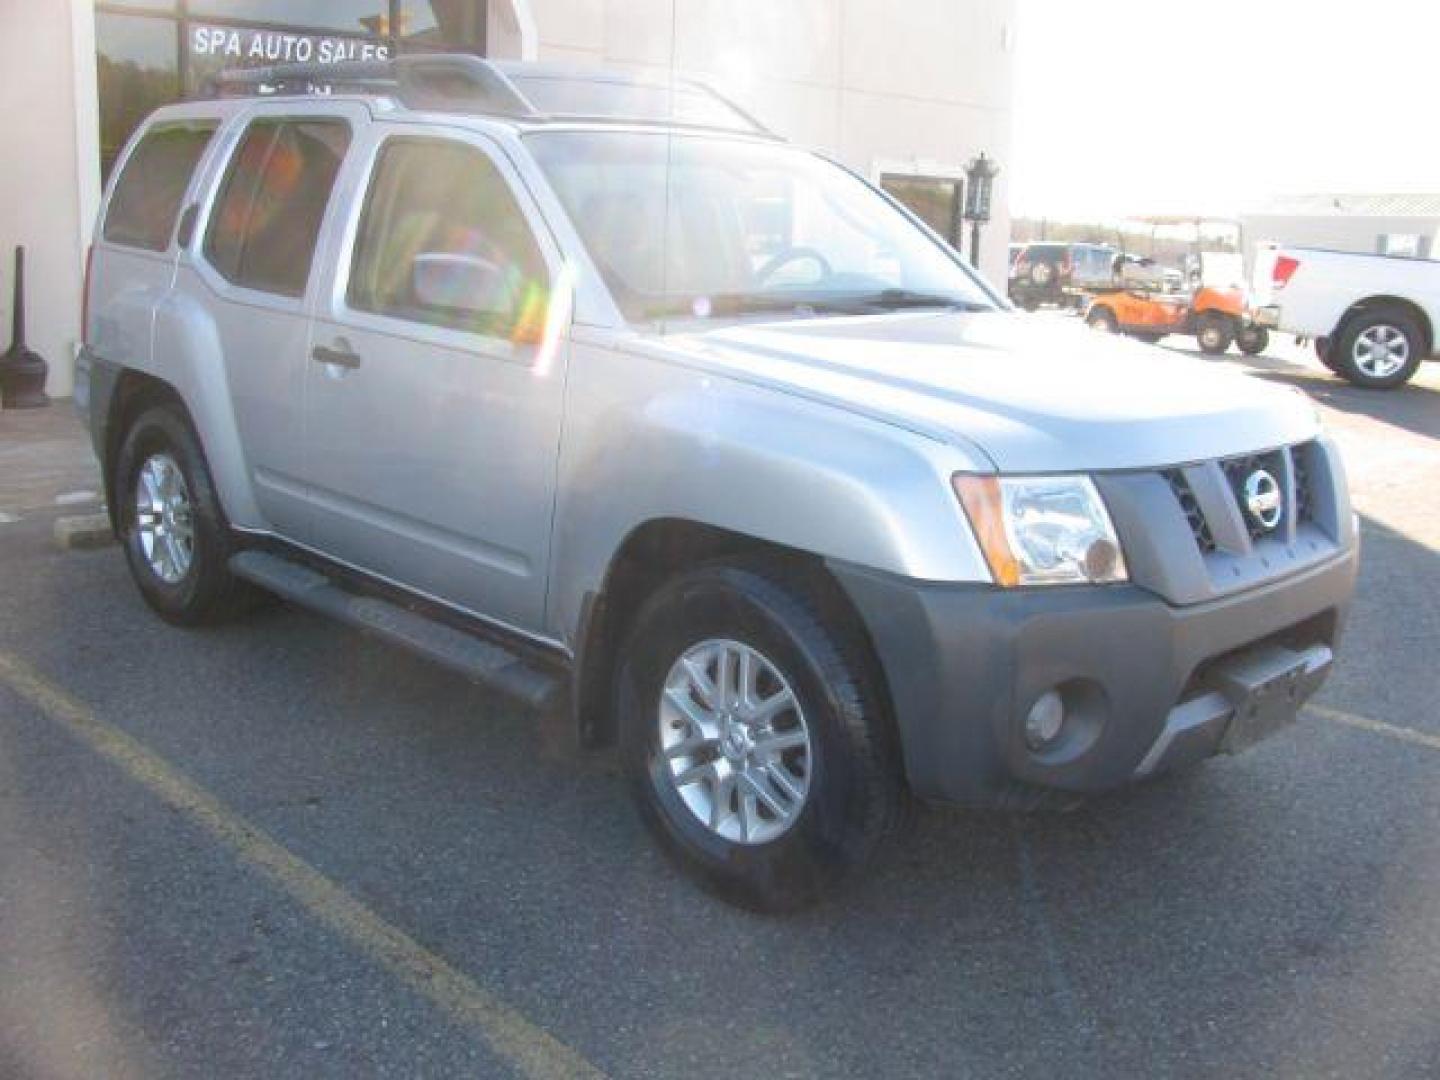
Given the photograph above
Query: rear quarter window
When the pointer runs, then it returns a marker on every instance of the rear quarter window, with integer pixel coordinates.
(148, 192)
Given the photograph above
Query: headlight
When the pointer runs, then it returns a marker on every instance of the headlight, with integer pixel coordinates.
(1042, 530)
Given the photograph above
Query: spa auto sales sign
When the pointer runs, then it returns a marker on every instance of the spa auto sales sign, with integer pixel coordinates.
(219, 47)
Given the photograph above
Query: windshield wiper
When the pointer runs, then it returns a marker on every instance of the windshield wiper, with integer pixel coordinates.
(899, 299)
(751, 303)
(809, 303)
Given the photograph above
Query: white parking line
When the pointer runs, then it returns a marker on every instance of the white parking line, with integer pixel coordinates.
(1378, 727)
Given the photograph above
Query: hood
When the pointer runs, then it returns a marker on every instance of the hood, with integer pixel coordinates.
(1033, 395)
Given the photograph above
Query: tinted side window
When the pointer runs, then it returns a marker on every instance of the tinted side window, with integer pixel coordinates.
(443, 241)
(267, 216)
(147, 195)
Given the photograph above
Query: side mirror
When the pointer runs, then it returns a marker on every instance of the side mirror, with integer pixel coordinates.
(466, 287)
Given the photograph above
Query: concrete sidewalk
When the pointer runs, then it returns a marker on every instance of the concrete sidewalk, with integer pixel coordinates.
(46, 463)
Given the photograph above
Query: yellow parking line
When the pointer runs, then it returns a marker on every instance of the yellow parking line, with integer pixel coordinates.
(529, 1049)
(1378, 727)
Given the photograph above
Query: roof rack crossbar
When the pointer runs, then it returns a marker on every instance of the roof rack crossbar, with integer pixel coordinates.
(440, 81)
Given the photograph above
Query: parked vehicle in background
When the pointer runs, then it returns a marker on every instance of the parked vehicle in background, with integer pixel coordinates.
(1047, 272)
(1372, 317)
(789, 506)
(1216, 318)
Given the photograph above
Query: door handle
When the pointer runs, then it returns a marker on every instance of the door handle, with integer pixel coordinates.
(338, 355)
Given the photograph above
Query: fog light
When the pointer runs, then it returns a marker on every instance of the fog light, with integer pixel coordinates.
(1044, 720)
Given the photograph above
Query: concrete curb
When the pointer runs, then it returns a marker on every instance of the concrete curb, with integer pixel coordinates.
(83, 532)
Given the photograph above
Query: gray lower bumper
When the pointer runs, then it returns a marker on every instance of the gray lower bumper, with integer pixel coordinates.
(1154, 686)
(1258, 692)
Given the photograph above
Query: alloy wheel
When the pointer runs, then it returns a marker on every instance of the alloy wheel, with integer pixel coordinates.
(734, 740)
(164, 523)
(1381, 350)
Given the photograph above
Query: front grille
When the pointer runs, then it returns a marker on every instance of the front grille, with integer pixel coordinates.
(1199, 488)
(1199, 527)
(1237, 470)
(1304, 493)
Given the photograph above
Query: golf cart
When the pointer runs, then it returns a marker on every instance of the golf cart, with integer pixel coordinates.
(1216, 317)
(1207, 300)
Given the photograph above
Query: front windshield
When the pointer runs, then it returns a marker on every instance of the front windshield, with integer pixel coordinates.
(751, 228)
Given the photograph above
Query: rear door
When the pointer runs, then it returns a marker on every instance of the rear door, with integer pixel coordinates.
(252, 266)
(434, 397)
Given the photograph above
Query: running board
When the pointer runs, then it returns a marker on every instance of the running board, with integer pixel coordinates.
(473, 657)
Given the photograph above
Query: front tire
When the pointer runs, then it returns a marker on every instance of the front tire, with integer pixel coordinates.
(1214, 332)
(1378, 349)
(172, 528)
(758, 746)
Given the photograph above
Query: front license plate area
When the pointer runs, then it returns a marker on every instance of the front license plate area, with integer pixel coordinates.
(1267, 688)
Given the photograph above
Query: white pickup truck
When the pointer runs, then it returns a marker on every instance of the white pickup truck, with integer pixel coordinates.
(1372, 317)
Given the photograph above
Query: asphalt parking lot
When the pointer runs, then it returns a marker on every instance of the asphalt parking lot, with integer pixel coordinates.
(279, 849)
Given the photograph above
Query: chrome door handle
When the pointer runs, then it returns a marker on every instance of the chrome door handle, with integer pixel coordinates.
(339, 355)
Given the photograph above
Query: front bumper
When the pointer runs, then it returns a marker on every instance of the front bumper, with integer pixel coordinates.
(1148, 686)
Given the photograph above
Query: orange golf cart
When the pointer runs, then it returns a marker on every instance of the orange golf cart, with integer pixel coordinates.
(1214, 317)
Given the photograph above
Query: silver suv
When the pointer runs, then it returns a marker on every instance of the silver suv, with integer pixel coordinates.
(597, 393)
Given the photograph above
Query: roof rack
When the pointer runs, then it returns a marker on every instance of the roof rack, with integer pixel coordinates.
(461, 82)
(438, 81)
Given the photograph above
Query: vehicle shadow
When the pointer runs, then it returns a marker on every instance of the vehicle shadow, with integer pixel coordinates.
(1414, 406)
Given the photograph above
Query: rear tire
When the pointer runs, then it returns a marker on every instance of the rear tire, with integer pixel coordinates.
(1214, 332)
(1378, 349)
(1102, 319)
(1323, 353)
(172, 528)
(1252, 340)
(679, 739)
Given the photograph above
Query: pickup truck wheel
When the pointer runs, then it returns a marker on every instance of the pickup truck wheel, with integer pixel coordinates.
(1214, 332)
(174, 534)
(1378, 349)
(1324, 354)
(758, 749)
(1252, 340)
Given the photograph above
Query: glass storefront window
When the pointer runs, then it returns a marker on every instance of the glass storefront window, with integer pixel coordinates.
(137, 68)
(934, 199)
(145, 61)
(343, 16)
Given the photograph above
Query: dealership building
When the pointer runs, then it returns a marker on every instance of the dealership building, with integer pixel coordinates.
(905, 93)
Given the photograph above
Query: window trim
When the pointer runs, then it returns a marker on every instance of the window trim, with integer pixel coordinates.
(336, 309)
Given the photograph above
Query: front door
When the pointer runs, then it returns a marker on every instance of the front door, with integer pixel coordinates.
(433, 398)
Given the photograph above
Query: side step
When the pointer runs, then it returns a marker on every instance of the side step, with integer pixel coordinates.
(473, 657)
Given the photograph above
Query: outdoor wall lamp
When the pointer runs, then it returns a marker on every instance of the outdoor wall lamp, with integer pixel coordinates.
(980, 176)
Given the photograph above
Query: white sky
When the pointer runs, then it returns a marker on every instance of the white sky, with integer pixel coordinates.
(1132, 107)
